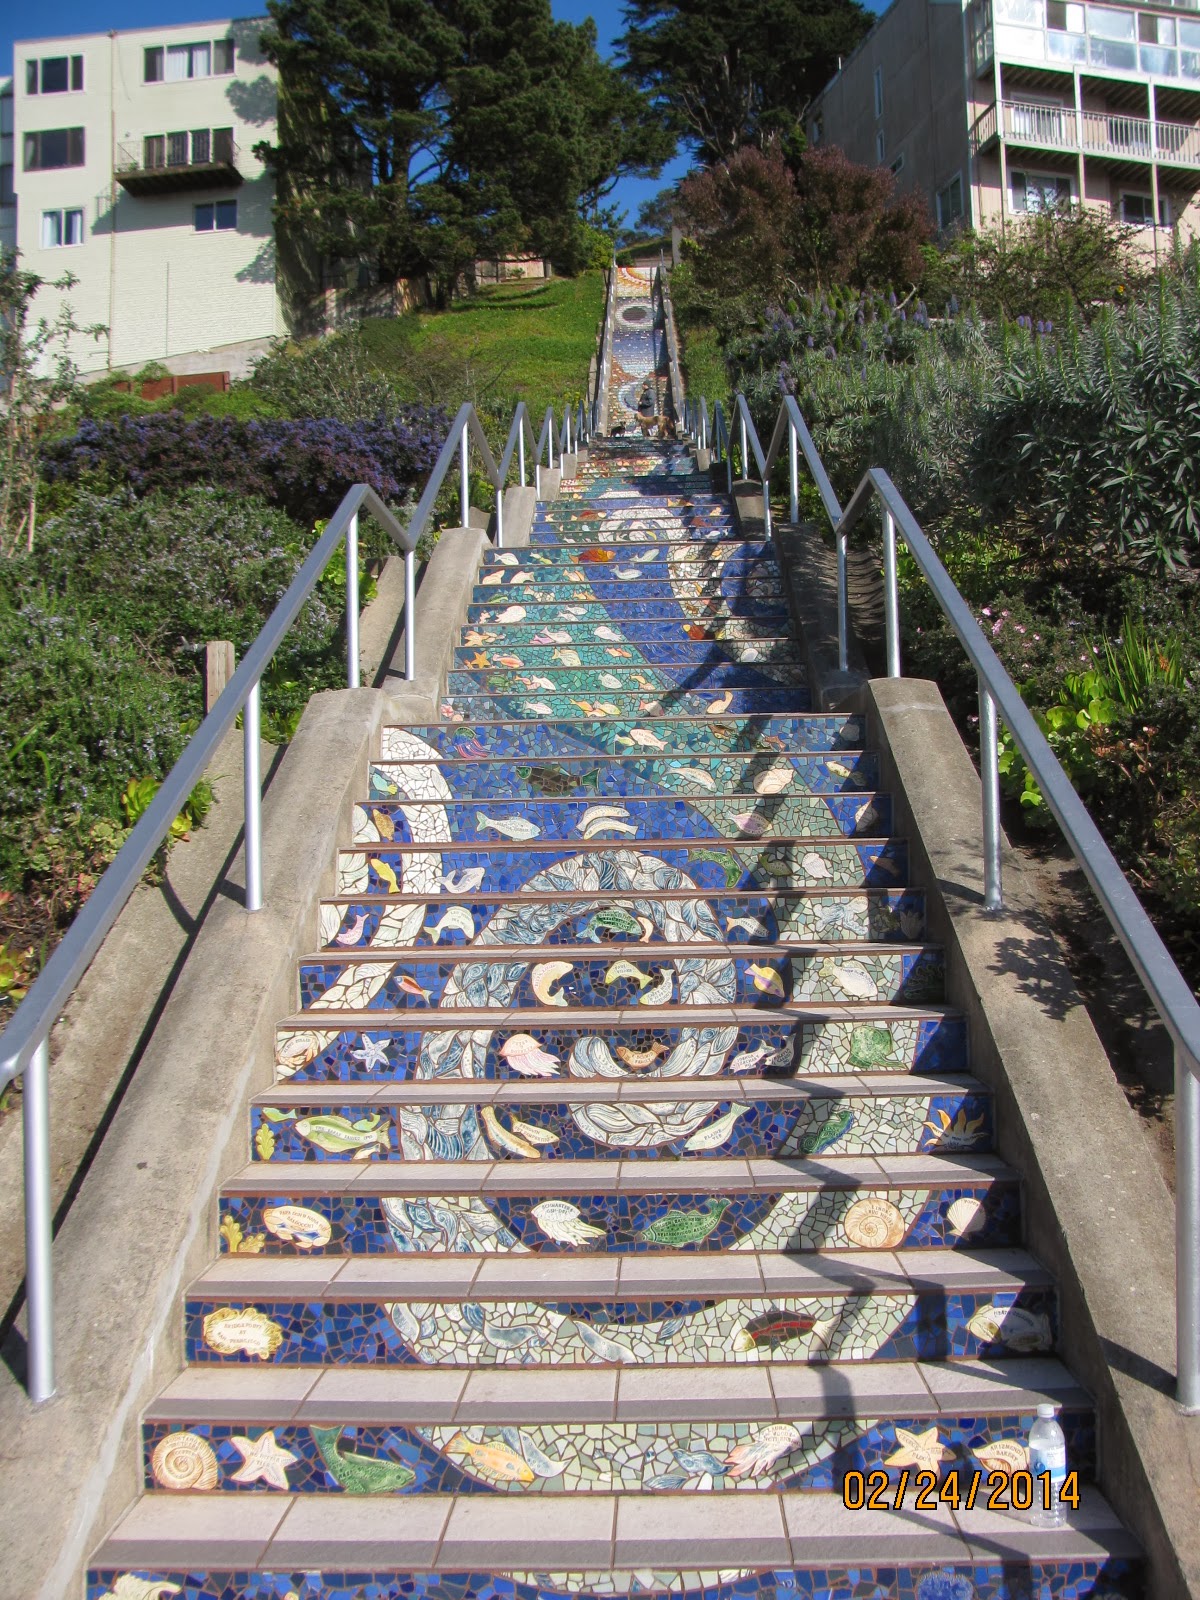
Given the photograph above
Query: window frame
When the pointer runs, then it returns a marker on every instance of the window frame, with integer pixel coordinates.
(214, 209)
(62, 216)
(947, 191)
(880, 147)
(35, 74)
(1040, 173)
(32, 142)
(1147, 221)
(877, 88)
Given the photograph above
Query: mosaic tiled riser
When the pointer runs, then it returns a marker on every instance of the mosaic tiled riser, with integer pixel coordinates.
(1104, 1579)
(853, 776)
(607, 1224)
(609, 1457)
(779, 864)
(933, 1324)
(587, 735)
(667, 817)
(933, 1045)
(771, 979)
(625, 918)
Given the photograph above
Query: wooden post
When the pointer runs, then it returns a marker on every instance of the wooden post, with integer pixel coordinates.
(218, 669)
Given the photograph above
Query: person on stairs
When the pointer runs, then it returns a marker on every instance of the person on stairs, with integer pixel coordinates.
(647, 412)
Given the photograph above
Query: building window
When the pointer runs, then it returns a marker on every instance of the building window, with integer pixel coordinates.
(878, 91)
(217, 216)
(897, 166)
(880, 147)
(54, 75)
(1039, 191)
(174, 63)
(62, 227)
(1138, 210)
(8, 195)
(950, 202)
(816, 131)
(56, 147)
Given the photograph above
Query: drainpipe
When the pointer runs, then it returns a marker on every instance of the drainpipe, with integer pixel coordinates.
(1153, 105)
(112, 190)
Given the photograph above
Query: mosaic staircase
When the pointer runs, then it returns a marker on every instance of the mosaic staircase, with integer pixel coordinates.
(623, 1184)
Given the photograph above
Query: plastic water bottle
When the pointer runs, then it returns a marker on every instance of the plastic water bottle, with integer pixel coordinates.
(1047, 1454)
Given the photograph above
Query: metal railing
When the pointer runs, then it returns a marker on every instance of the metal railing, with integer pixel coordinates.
(25, 1042)
(604, 368)
(1000, 700)
(674, 369)
(1110, 133)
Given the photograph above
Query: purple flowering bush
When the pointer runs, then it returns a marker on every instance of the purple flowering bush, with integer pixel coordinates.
(303, 466)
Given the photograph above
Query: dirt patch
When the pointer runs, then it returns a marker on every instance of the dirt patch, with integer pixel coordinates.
(1137, 1045)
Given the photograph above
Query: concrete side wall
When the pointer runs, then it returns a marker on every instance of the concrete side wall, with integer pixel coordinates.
(917, 47)
(157, 285)
(1096, 1210)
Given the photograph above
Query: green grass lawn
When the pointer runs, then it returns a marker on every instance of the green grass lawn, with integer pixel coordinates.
(516, 341)
(703, 366)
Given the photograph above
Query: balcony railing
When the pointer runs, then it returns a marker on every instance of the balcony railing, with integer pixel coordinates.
(203, 158)
(1102, 133)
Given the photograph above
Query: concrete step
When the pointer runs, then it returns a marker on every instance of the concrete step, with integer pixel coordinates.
(554, 866)
(835, 781)
(626, 918)
(696, 817)
(827, 733)
(473, 1043)
(528, 1310)
(691, 1205)
(617, 1431)
(636, 1118)
(671, 977)
(689, 1545)
(628, 582)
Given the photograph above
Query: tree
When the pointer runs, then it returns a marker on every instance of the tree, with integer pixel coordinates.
(727, 73)
(766, 228)
(39, 377)
(852, 227)
(419, 134)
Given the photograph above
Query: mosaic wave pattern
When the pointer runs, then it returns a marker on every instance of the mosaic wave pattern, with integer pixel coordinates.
(623, 1144)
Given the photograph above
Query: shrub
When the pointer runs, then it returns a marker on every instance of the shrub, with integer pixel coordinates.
(303, 466)
(331, 377)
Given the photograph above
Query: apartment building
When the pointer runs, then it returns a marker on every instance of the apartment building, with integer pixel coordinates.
(996, 108)
(8, 198)
(135, 173)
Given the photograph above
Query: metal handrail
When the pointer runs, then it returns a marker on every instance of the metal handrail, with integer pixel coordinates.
(604, 369)
(674, 369)
(999, 698)
(25, 1042)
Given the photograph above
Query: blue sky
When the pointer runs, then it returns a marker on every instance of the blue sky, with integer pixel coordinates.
(56, 17)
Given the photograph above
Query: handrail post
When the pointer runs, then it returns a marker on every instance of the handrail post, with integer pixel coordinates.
(745, 447)
(252, 794)
(465, 486)
(766, 494)
(352, 603)
(410, 615)
(891, 594)
(521, 454)
(39, 1224)
(843, 600)
(794, 468)
(500, 518)
(989, 774)
(1187, 1233)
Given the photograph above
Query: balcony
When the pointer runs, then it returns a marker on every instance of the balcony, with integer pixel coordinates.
(1095, 133)
(170, 163)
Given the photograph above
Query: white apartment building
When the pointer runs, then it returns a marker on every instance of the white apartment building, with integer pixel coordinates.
(996, 108)
(8, 198)
(134, 172)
